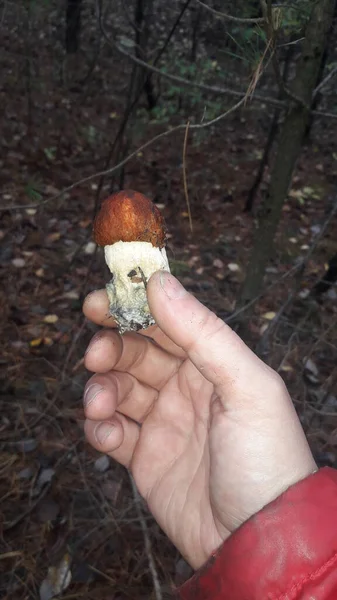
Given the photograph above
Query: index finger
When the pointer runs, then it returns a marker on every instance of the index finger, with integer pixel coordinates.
(96, 309)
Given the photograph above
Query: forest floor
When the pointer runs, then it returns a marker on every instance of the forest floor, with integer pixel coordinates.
(61, 503)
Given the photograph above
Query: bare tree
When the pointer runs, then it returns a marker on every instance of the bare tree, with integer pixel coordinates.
(289, 146)
(73, 25)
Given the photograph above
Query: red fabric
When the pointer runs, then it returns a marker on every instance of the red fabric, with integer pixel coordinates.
(287, 551)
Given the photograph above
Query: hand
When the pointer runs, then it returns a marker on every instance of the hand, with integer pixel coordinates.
(208, 430)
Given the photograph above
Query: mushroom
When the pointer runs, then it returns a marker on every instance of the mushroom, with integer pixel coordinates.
(132, 231)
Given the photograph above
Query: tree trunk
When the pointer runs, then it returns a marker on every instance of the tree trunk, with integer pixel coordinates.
(73, 25)
(328, 280)
(321, 71)
(143, 11)
(195, 19)
(273, 130)
(289, 147)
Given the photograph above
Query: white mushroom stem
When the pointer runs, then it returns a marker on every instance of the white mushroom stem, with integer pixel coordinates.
(131, 265)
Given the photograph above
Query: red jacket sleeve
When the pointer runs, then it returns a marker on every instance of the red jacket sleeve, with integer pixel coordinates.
(287, 551)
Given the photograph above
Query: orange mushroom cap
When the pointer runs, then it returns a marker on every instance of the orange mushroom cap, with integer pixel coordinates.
(128, 216)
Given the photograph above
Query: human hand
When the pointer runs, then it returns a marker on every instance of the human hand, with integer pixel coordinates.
(208, 430)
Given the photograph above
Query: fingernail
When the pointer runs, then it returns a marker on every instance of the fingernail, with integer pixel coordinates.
(102, 432)
(171, 286)
(91, 393)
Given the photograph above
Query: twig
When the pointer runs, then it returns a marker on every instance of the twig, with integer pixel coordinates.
(44, 491)
(147, 542)
(207, 88)
(238, 312)
(185, 178)
(187, 82)
(126, 159)
(297, 268)
(227, 17)
(3, 13)
(325, 81)
(292, 337)
(272, 20)
(293, 43)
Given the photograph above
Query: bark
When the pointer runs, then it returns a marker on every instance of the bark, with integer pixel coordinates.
(196, 20)
(289, 147)
(73, 25)
(325, 56)
(328, 280)
(273, 130)
(142, 22)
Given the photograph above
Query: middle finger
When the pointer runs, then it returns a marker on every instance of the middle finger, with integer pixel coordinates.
(133, 354)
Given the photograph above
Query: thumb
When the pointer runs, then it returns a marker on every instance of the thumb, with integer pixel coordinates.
(213, 347)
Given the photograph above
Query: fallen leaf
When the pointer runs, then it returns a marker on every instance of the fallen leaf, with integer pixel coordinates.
(39, 272)
(315, 229)
(269, 315)
(286, 368)
(233, 267)
(57, 580)
(50, 319)
(263, 328)
(44, 478)
(36, 342)
(72, 295)
(53, 237)
(19, 262)
(85, 222)
(217, 262)
(310, 366)
(293, 240)
(28, 445)
(26, 473)
(90, 248)
(296, 194)
(102, 464)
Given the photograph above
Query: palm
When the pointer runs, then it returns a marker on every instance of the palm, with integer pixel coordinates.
(171, 464)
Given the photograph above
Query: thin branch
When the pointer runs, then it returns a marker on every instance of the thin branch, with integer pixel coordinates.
(325, 81)
(185, 82)
(24, 513)
(185, 178)
(127, 159)
(298, 269)
(207, 88)
(293, 43)
(227, 17)
(147, 541)
(272, 24)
